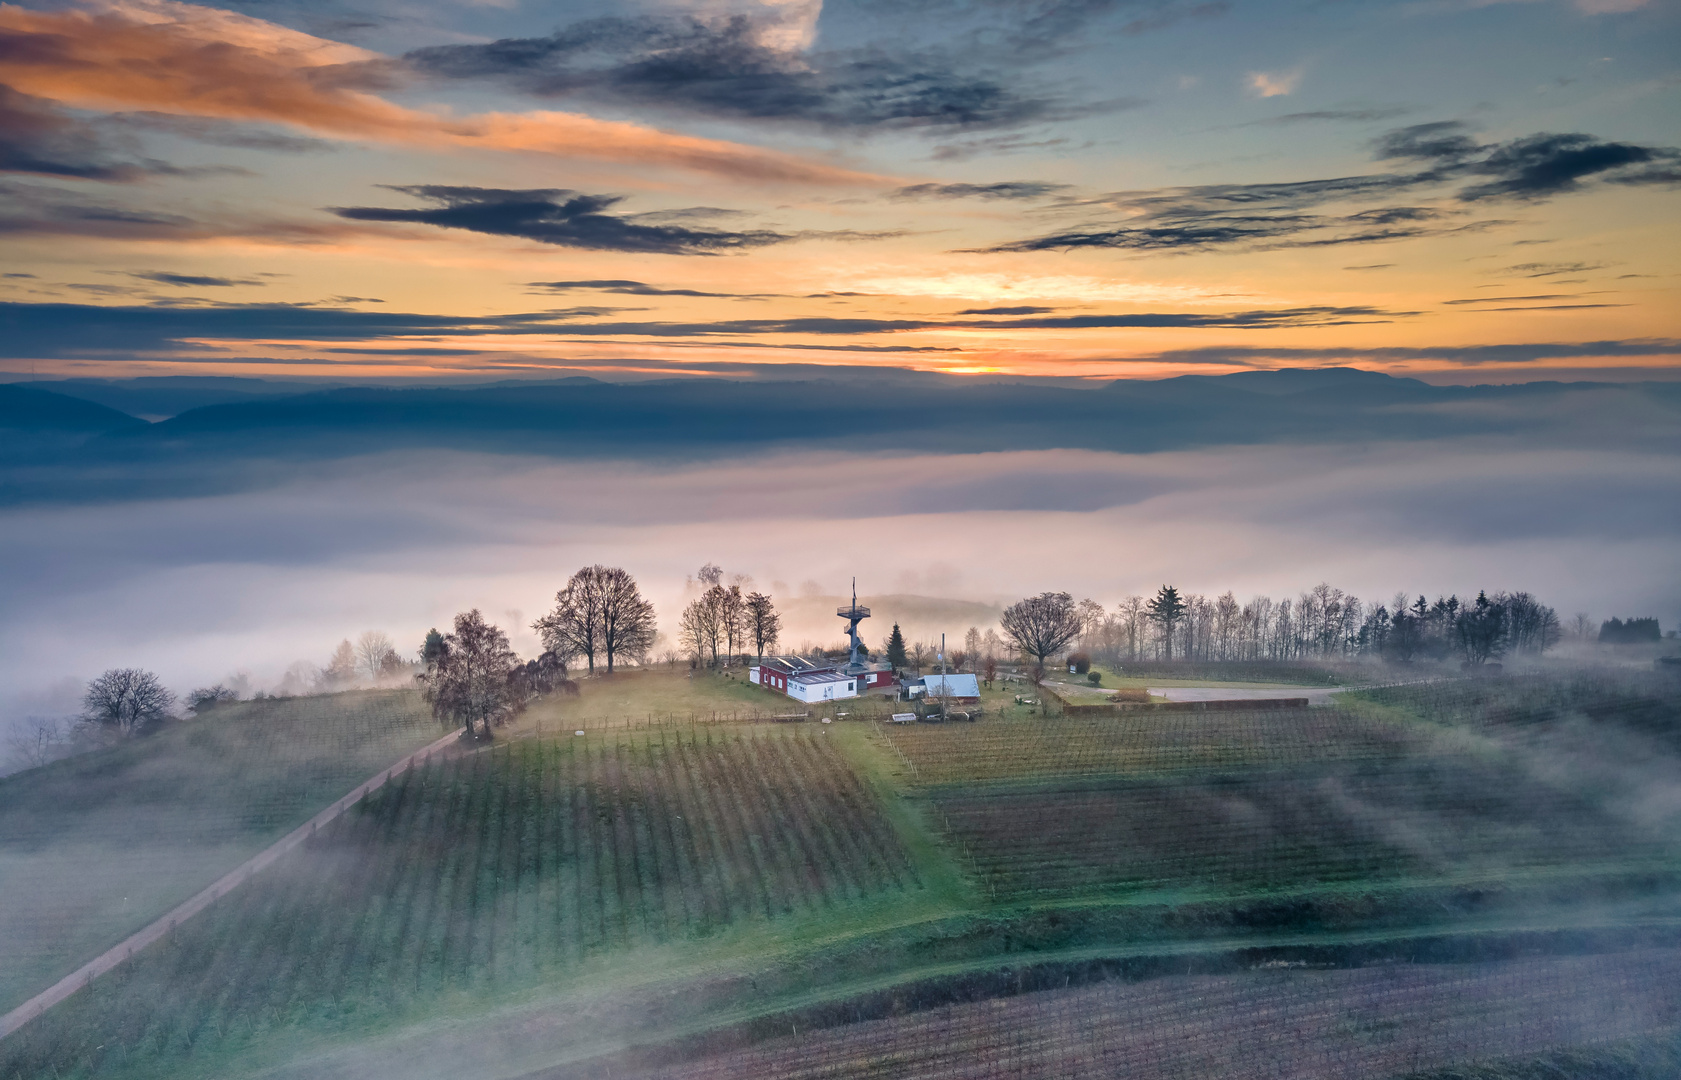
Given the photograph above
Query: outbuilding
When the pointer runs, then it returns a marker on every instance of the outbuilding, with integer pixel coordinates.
(953, 687)
(815, 686)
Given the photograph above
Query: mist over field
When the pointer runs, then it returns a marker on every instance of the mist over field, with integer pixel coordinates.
(840, 540)
(269, 544)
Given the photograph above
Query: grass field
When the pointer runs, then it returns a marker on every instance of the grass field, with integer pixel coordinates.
(678, 871)
(95, 846)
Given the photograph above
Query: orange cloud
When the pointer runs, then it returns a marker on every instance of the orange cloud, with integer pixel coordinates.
(172, 57)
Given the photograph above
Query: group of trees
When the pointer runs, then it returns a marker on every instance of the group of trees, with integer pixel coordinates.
(1615, 631)
(723, 621)
(470, 674)
(1322, 622)
(472, 677)
(600, 615)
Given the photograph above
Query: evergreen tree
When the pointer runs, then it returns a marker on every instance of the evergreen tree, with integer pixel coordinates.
(896, 655)
(1165, 610)
(433, 649)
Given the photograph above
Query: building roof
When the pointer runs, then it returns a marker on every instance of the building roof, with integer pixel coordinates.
(793, 665)
(955, 685)
(817, 678)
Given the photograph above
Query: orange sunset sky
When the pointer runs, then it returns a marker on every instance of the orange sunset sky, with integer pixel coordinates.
(1462, 192)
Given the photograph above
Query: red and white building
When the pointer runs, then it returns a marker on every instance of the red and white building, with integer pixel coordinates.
(814, 681)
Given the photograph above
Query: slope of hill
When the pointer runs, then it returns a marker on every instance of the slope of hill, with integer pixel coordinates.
(672, 896)
(27, 408)
(95, 846)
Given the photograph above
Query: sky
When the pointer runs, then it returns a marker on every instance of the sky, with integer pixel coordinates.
(1462, 191)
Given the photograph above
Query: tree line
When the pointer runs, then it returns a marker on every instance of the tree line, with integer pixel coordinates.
(718, 625)
(1323, 622)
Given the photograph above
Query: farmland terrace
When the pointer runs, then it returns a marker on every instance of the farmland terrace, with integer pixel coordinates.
(1416, 880)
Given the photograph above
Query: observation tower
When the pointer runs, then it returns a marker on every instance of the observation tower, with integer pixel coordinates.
(853, 616)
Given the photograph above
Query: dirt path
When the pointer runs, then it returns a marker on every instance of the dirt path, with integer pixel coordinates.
(109, 959)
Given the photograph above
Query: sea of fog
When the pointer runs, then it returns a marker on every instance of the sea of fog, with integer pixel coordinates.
(253, 581)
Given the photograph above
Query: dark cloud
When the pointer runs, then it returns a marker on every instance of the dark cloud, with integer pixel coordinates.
(994, 145)
(1362, 116)
(37, 137)
(1371, 266)
(557, 216)
(75, 329)
(723, 67)
(1006, 311)
(217, 132)
(1544, 165)
(1188, 230)
(1167, 15)
(1533, 167)
(1007, 189)
(637, 288)
(1468, 355)
(1507, 299)
(1553, 307)
(43, 210)
(1296, 214)
(1541, 269)
(193, 280)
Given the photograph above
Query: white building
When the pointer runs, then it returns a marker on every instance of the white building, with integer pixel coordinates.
(815, 686)
(812, 680)
(957, 687)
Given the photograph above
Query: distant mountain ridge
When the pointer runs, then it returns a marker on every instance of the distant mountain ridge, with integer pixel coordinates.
(686, 420)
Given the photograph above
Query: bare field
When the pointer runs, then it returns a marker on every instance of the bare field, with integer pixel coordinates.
(1267, 1025)
(1266, 831)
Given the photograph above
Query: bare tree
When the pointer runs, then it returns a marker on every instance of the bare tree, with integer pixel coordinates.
(1092, 616)
(1480, 630)
(372, 650)
(1131, 614)
(38, 740)
(702, 629)
(972, 643)
(471, 683)
(600, 612)
(732, 619)
(205, 698)
(1043, 625)
(627, 620)
(127, 700)
(919, 654)
(763, 623)
(341, 668)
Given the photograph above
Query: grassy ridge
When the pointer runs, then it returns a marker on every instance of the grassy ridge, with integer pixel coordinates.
(492, 872)
(655, 880)
(95, 846)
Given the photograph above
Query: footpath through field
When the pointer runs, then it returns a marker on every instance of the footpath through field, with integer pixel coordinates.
(109, 959)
